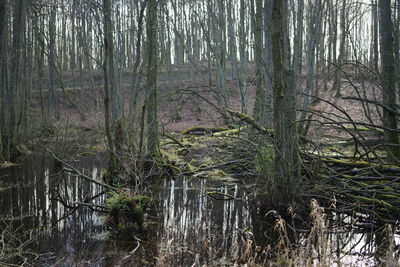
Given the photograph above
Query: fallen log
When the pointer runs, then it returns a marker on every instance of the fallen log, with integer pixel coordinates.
(386, 168)
(215, 166)
(376, 179)
(200, 130)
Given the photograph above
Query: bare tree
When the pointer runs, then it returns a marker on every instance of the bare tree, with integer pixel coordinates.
(52, 107)
(388, 80)
(260, 112)
(338, 70)
(15, 74)
(108, 74)
(3, 79)
(151, 82)
(286, 169)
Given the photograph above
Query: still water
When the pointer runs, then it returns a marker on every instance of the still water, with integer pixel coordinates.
(192, 225)
(187, 225)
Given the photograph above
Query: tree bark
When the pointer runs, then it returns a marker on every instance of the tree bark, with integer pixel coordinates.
(108, 48)
(259, 111)
(18, 31)
(298, 42)
(268, 61)
(151, 82)
(388, 79)
(286, 169)
(3, 75)
(51, 101)
(339, 63)
(313, 32)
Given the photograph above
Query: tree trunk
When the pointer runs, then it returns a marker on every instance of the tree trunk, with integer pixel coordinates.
(151, 82)
(108, 51)
(3, 79)
(51, 101)
(298, 43)
(375, 37)
(388, 80)
(339, 63)
(286, 169)
(268, 61)
(135, 77)
(313, 30)
(259, 111)
(15, 79)
(242, 55)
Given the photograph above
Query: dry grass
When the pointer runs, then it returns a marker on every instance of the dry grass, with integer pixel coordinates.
(316, 248)
(14, 250)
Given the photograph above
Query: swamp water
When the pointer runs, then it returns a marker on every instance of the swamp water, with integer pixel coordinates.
(193, 228)
(188, 219)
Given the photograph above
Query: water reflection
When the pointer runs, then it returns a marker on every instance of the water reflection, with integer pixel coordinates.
(195, 228)
(34, 196)
(199, 229)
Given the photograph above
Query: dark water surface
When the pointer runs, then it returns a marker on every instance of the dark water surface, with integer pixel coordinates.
(192, 228)
(193, 225)
(30, 196)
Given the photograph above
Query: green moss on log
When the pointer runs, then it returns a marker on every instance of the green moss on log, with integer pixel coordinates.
(375, 201)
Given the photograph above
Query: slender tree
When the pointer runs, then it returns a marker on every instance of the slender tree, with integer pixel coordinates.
(260, 112)
(52, 65)
(286, 169)
(268, 61)
(298, 42)
(151, 81)
(108, 54)
(3, 75)
(338, 70)
(313, 32)
(15, 74)
(388, 80)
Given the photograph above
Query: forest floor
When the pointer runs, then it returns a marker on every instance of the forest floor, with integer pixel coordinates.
(188, 100)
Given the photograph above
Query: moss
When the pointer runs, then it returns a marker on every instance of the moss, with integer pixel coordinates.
(200, 130)
(389, 196)
(182, 151)
(126, 212)
(228, 132)
(378, 202)
(86, 154)
(264, 160)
